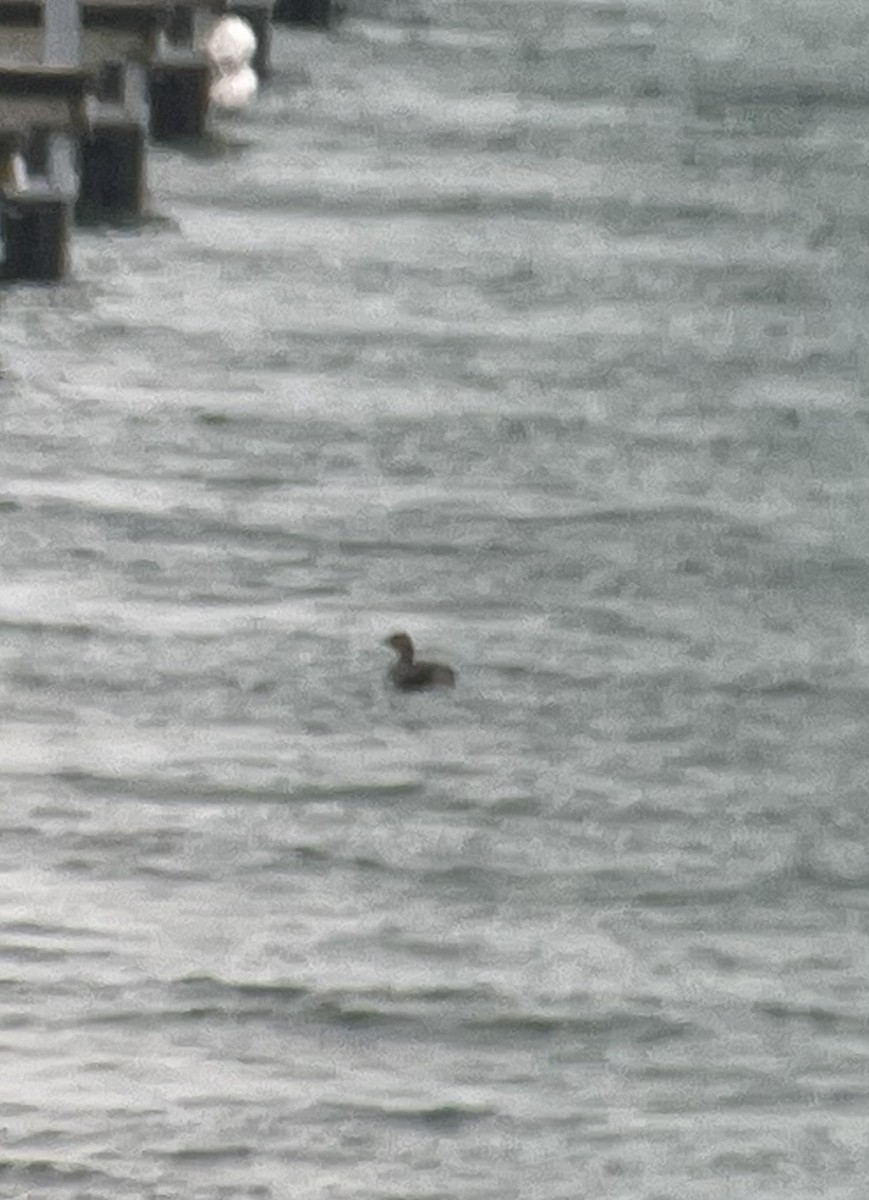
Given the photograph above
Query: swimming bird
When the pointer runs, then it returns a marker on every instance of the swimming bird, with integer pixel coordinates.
(411, 676)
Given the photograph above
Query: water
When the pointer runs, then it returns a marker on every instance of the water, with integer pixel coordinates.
(536, 330)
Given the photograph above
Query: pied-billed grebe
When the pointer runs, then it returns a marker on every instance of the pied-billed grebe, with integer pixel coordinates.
(411, 676)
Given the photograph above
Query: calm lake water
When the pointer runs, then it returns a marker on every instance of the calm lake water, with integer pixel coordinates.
(536, 330)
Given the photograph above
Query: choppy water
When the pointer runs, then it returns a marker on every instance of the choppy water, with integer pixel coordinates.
(522, 328)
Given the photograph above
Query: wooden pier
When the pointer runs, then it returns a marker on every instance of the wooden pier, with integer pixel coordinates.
(82, 84)
(111, 40)
(42, 113)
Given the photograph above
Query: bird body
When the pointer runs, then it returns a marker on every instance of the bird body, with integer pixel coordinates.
(408, 675)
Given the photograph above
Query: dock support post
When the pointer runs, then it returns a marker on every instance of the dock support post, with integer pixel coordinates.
(61, 33)
(35, 229)
(179, 99)
(112, 165)
(304, 12)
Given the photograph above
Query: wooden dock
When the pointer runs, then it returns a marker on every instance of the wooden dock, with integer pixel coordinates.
(37, 196)
(83, 83)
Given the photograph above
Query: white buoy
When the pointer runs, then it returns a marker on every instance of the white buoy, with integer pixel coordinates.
(236, 90)
(230, 47)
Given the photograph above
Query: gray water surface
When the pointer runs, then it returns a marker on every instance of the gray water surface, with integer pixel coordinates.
(536, 330)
